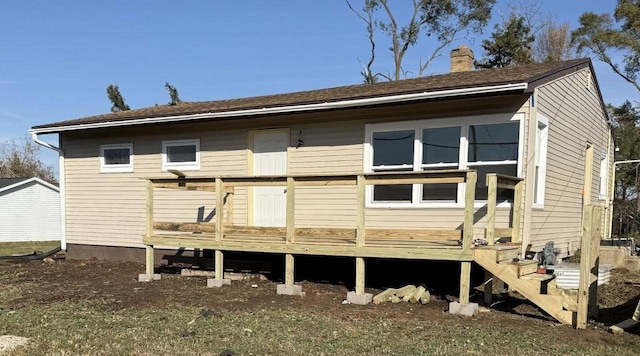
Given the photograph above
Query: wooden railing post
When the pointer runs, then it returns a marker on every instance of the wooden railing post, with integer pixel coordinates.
(219, 209)
(149, 205)
(360, 201)
(517, 212)
(469, 201)
(492, 194)
(219, 256)
(291, 210)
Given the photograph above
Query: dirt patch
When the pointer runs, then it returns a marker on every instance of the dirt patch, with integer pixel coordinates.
(115, 286)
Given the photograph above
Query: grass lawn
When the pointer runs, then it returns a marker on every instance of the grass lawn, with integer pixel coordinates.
(11, 248)
(98, 308)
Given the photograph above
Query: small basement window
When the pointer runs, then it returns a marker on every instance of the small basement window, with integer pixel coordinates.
(181, 154)
(116, 158)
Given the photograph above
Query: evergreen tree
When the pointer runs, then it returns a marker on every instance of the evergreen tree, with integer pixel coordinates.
(117, 101)
(510, 44)
(173, 94)
(599, 35)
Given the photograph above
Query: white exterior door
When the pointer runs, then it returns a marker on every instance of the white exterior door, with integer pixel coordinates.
(270, 158)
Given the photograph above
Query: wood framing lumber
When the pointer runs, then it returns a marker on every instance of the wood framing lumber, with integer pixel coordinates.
(406, 290)
(425, 297)
(415, 297)
(384, 296)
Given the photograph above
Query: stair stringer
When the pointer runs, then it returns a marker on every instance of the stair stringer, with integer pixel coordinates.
(529, 289)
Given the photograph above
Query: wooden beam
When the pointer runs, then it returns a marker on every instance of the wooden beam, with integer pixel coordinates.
(469, 200)
(492, 193)
(289, 269)
(359, 275)
(517, 212)
(413, 180)
(361, 208)
(291, 209)
(219, 209)
(414, 234)
(465, 282)
(207, 241)
(219, 264)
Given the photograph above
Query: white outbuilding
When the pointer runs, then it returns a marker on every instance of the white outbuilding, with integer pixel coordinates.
(29, 210)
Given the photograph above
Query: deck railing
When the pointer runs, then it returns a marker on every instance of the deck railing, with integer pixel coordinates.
(360, 236)
(512, 232)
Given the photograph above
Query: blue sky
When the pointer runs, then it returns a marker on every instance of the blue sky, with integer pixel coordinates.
(58, 57)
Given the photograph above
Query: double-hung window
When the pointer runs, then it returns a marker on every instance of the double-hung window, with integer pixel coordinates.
(489, 144)
(116, 158)
(181, 155)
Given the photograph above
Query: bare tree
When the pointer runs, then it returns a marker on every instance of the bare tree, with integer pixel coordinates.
(443, 21)
(553, 43)
(19, 159)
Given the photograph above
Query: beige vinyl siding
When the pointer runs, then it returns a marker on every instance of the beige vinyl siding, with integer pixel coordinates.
(109, 208)
(575, 117)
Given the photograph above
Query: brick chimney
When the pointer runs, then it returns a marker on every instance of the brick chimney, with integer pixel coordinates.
(461, 59)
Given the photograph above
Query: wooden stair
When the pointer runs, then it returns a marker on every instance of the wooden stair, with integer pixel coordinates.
(497, 261)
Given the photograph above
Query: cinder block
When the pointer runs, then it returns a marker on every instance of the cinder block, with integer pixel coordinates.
(217, 283)
(360, 299)
(454, 307)
(282, 289)
(148, 277)
(470, 309)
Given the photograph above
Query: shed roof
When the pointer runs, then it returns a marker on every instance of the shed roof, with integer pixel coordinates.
(11, 183)
(529, 76)
(5, 182)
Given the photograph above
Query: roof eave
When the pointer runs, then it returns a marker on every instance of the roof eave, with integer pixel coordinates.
(341, 104)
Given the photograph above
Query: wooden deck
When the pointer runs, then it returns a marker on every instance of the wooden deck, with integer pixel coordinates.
(358, 242)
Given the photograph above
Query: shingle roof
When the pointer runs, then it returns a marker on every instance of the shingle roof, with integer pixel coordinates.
(5, 182)
(532, 74)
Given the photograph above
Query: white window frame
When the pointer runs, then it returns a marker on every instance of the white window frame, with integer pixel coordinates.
(184, 166)
(116, 168)
(418, 125)
(540, 160)
(604, 174)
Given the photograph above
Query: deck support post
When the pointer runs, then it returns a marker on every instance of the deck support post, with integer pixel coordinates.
(465, 282)
(359, 296)
(218, 262)
(488, 287)
(589, 251)
(149, 262)
(359, 275)
(289, 288)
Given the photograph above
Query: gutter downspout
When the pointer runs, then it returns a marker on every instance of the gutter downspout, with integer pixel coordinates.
(63, 214)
